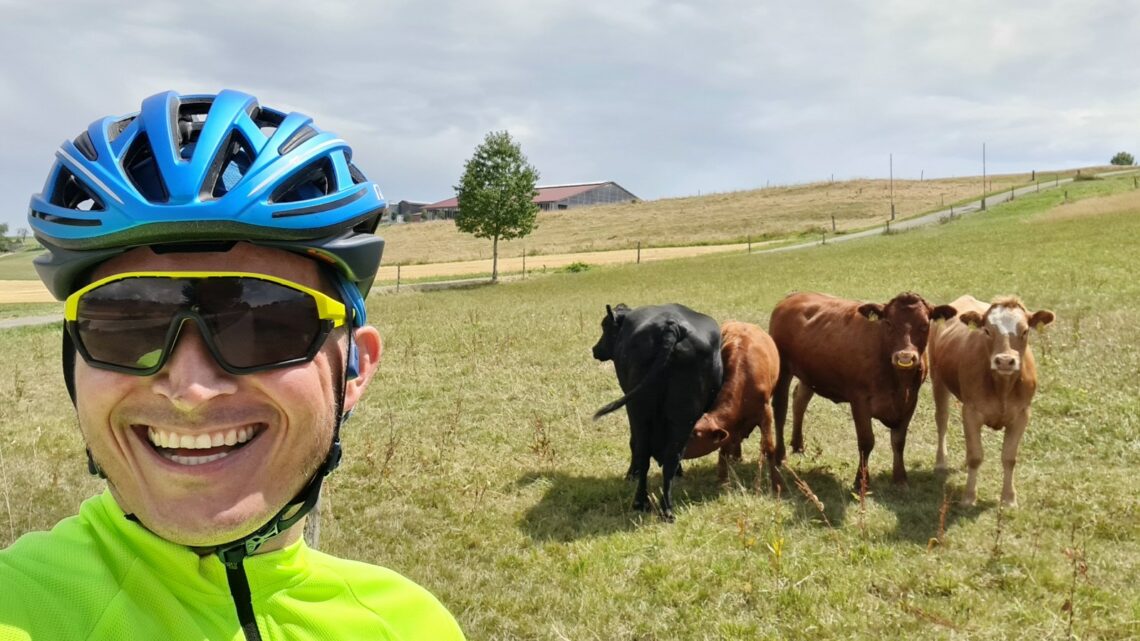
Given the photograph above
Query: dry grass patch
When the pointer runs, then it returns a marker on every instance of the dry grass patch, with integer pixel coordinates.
(699, 220)
(1126, 202)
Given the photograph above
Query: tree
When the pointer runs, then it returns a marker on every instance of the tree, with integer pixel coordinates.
(1123, 158)
(496, 194)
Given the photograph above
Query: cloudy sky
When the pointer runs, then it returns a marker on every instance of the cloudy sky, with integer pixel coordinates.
(666, 98)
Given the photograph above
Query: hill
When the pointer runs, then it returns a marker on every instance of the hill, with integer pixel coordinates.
(731, 217)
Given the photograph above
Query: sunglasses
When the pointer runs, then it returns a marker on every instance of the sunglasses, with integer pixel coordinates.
(250, 322)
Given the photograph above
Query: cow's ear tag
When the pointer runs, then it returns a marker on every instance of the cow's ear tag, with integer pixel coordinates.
(972, 325)
(873, 317)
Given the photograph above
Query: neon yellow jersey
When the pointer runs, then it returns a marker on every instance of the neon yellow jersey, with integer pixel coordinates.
(99, 576)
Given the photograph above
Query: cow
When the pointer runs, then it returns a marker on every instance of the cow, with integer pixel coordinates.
(667, 359)
(984, 360)
(751, 369)
(870, 355)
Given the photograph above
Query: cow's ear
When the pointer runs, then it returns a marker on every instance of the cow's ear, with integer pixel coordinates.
(871, 311)
(1040, 319)
(943, 312)
(973, 320)
(609, 312)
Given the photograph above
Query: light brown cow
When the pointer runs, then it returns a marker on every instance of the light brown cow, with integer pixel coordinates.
(751, 368)
(983, 358)
(866, 354)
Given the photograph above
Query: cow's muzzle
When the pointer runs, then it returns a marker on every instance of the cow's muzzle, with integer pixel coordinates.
(905, 360)
(1005, 364)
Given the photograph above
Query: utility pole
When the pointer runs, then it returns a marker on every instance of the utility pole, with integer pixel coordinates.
(983, 176)
(892, 156)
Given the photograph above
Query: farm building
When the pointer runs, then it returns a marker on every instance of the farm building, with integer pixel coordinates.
(551, 198)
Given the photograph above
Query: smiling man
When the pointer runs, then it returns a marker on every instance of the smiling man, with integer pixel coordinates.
(213, 256)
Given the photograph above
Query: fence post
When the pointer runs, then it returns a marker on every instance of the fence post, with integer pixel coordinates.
(1011, 193)
(1033, 176)
(833, 222)
(888, 226)
(749, 243)
(397, 278)
(639, 252)
(524, 263)
(823, 238)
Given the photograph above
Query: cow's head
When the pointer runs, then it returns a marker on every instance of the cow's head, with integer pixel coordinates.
(708, 435)
(611, 325)
(1006, 326)
(905, 326)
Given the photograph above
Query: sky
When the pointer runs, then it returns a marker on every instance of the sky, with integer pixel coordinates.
(665, 98)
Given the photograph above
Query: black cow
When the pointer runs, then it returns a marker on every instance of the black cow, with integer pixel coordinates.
(668, 363)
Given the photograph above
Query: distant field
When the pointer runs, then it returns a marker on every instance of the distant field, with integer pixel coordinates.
(474, 468)
(709, 219)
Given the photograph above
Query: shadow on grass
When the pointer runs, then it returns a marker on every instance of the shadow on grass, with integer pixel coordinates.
(918, 507)
(576, 507)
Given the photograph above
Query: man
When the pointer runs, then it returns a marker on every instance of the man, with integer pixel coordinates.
(214, 256)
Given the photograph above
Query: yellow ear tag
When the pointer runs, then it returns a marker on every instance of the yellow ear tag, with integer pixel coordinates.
(972, 326)
(873, 317)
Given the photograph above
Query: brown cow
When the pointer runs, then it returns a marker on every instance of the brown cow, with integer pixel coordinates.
(865, 354)
(751, 368)
(986, 363)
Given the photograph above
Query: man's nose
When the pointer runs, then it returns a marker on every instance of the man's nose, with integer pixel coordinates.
(191, 376)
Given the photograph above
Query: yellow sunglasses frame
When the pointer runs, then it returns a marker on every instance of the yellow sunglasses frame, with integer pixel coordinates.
(328, 308)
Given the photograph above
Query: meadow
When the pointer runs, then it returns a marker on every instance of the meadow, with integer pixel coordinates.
(474, 468)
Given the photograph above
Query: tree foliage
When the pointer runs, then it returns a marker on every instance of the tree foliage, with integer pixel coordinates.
(1123, 158)
(496, 193)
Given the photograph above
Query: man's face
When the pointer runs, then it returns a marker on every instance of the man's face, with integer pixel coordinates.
(274, 427)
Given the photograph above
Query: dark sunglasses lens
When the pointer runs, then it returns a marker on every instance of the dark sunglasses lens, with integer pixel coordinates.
(255, 323)
(125, 322)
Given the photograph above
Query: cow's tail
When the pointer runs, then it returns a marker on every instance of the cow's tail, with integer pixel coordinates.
(672, 333)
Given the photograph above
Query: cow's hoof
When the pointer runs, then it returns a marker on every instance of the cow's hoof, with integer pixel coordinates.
(1009, 503)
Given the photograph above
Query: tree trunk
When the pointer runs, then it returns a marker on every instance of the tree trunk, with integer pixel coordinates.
(495, 260)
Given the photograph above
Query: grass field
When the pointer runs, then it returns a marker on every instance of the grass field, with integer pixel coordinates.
(474, 468)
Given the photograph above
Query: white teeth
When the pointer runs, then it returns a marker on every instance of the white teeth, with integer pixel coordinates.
(170, 440)
(196, 460)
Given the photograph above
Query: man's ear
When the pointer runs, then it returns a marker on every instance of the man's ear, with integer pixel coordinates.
(369, 347)
(1040, 319)
(871, 311)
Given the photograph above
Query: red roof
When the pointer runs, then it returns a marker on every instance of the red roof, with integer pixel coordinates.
(550, 194)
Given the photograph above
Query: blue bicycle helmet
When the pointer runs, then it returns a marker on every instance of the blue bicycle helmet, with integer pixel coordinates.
(204, 168)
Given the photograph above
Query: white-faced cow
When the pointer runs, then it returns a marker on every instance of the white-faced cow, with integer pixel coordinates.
(751, 369)
(866, 354)
(984, 360)
(667, 359)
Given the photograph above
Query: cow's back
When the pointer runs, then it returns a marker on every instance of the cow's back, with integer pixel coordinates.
(824, 342)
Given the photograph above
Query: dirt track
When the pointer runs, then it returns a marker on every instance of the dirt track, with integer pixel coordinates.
(32, 291)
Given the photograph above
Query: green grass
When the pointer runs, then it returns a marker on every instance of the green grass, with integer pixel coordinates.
(474, 468)
(18, 265)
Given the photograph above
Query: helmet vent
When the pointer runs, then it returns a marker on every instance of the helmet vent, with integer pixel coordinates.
(83, 144)
(118, 127)
(230, 165)
(267, 121)
(191, 117)
(70, 193)
(357, 176)
(139, 165)
(314, 181)
(64, 220)
(298, 137)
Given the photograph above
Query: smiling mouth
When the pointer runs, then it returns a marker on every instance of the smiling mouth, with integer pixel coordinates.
(198, 449)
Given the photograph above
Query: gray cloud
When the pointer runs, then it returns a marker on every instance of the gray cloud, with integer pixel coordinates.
(667, 98)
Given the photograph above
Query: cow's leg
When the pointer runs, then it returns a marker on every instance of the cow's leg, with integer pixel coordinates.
(898, 444)
(800, 402)
(672, 460)
(639, 467)
(722, 465)
(780, 407)
(972, 426)
(941, 418)
(1013, 433)
(768, 450)
(861, 413)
